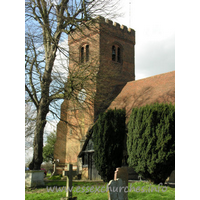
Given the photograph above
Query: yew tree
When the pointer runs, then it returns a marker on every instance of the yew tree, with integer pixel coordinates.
(109, 134)
(48, 24)
(151, 141)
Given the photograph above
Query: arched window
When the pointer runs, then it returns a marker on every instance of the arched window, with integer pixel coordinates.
(82, 54)
(87, 53)
(113, 53)
(118, 55)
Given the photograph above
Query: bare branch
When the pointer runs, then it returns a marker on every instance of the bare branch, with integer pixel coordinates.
(46, 23)
(31, 96)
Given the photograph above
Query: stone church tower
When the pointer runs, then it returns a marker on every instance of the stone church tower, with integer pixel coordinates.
(101, 63)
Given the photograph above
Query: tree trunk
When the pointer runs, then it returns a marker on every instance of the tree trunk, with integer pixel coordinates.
(43, 105)
(38, 136)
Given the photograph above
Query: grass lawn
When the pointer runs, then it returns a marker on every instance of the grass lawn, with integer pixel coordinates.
(87, 191)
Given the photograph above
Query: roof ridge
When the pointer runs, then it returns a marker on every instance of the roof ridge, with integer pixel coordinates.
(151, 76)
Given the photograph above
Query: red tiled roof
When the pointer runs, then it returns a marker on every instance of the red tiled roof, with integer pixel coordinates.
(159, 88)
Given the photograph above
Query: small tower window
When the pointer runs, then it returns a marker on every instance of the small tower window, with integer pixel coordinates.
(82, 54)
(113, 53)
(118, 55)
(87, 53)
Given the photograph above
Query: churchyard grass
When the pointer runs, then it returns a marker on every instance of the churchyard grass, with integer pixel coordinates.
(144, 191)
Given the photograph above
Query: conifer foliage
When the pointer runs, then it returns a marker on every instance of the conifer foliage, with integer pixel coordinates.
(108, 137)
(151, 141)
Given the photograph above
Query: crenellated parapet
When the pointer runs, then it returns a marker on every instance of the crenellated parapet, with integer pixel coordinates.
(105, 25)
(115, 25)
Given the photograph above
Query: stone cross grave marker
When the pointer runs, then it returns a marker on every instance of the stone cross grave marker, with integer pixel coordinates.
(69, 184)
(69, 181)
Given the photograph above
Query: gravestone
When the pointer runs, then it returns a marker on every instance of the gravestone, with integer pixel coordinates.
(140, 177)
(117, 190)
(55, 161)
(34, 178)
(69, 184)
(171, 178)
(122, 173)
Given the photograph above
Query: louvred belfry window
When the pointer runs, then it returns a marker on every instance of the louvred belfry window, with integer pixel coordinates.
(87, 53)
(84, 53)
(113, 53)
(116, 54)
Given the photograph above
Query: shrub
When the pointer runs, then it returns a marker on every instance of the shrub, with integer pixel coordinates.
(108, 137)
(55, 177)
(48, 149)
(151, 141)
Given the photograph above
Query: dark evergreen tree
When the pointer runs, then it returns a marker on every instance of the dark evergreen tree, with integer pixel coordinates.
(151, 141)
(108, 137)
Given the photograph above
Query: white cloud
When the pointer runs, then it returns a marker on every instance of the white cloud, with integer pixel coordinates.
(61, 61)
(155, 58)
(154, 23)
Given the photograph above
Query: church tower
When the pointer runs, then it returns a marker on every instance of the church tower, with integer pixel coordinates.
(101, 62)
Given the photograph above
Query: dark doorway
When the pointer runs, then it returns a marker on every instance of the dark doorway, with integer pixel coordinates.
(92, 171)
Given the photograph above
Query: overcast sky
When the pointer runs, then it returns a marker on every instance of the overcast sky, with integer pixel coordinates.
(154, 24)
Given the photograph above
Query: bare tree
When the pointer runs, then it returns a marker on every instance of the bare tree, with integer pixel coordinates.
(29, 125)
(48, 22)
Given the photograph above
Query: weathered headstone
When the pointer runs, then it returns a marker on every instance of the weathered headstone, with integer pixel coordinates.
(140, 177)
(69, 184)
(34, 178)
(117, 190)
(122, 173)
(55, 161)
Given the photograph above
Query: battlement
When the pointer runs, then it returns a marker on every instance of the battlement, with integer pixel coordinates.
(115, 25)
(106, 26)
